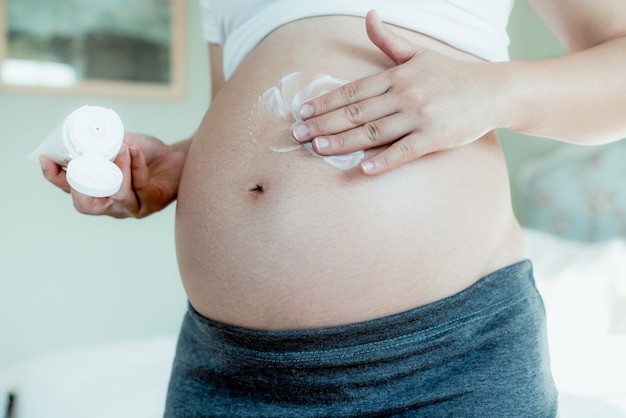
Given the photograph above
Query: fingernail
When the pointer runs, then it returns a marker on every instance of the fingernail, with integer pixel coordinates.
(300, 132)
(41, 163)
(306, 111)
(368, 167)
(321, 143)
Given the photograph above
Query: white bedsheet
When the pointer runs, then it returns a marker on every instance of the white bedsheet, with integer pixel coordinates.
(584, 289)
(120, 380)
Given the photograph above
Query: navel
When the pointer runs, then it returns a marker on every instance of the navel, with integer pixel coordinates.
(257, 189)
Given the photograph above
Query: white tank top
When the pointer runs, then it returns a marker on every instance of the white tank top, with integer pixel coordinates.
(478, 27)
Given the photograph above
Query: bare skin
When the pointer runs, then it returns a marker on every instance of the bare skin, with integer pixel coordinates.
(283, 241)
(427, 103)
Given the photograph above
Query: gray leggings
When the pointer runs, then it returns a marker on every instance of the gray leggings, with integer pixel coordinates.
(479, 353)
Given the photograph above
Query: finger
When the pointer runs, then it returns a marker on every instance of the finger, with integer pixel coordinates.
(141, 181)
(345, 118)
(88, 205)
(120, 204)
(407, 149)
(350, 93)
(125, 198)
(371, 135)
(99, 205)
(396, 47)
(138, 167)
(53, 173)
(123, 161)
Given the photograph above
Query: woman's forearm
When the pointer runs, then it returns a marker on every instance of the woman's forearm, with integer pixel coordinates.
(578, 98)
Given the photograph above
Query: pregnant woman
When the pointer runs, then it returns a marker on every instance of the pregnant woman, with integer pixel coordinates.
(344, 229)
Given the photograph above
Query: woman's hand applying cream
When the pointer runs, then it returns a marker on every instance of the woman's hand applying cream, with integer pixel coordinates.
(426, 103)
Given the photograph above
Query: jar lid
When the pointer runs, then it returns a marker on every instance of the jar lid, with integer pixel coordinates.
(97, 130)
(93, 175)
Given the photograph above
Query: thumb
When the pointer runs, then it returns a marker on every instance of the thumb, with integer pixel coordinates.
(399, 49)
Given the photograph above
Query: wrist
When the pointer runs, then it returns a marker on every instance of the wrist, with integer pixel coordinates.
(511, 94)
(182, 146)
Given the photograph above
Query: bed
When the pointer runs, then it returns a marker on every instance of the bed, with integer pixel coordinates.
(575, 228)
(574, 208)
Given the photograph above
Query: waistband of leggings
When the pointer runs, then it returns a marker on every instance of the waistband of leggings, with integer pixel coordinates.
(491, 293)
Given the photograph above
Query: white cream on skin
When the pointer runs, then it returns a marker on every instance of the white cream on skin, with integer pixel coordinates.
(281, 104)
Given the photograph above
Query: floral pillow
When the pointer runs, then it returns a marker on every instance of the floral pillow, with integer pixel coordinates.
(577, 192)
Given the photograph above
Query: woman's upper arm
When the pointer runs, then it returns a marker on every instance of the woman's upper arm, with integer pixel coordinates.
(581, 24)
(216, 54)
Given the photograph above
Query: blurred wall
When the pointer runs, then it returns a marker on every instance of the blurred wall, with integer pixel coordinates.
(68, 279)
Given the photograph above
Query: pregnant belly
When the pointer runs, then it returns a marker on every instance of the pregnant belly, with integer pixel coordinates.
(283, 241)
(270, 236)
